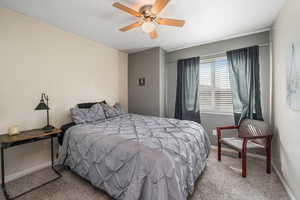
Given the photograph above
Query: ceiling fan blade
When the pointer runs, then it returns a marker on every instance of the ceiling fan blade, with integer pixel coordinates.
(131, 26)
(170, 22)
(158, 6)
(126, 9)
(153, 34)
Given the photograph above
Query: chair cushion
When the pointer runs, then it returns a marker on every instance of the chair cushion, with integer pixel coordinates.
(237, 143)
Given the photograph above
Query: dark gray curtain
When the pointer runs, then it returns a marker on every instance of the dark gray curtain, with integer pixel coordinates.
(245, 83)
(187, 105)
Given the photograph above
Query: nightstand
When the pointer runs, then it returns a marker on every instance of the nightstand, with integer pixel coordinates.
(26, 137)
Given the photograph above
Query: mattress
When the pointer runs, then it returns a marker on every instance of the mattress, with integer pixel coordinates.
(136, 157)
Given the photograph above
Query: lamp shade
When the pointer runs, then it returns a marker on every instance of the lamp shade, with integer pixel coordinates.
(148, 27)
(42, 105)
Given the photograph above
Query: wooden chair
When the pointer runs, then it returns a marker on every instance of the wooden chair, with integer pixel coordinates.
(252, 135)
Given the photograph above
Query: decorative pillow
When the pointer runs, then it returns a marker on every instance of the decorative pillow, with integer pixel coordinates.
(119, 108)
(93, 114)
(109, 111)
(89, 105)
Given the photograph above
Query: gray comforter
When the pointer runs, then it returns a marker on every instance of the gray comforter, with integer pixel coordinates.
(135, 157)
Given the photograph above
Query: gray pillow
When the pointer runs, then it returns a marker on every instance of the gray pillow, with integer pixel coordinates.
(119, 108)
(110, 111)
(93, 114)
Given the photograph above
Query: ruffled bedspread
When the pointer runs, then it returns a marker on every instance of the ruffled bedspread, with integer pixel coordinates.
(135, 157)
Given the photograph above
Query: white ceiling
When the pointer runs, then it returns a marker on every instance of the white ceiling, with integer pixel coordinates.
(206, 20)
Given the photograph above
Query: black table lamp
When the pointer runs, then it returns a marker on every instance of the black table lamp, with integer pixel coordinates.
(44, 106)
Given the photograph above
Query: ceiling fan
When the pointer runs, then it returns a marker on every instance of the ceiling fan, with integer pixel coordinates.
(148, 17)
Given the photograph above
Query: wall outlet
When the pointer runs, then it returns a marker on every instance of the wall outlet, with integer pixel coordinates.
(214, 132)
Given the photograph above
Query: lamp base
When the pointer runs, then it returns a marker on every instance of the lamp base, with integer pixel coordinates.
(48, 128)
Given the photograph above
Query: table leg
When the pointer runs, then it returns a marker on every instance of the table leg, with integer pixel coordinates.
(3, 175)
(2, 168)
(52, 159)
(7, 196)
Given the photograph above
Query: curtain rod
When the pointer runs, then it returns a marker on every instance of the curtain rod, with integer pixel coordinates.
(221, 52)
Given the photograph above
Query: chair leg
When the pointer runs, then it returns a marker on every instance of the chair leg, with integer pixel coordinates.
(244, 164)
(244, 158)
(268, 149)
(219, 151)
(240, 155)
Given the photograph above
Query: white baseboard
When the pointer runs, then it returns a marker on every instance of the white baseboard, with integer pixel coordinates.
(48, 164)
(285, 185)
(282, 180)
(26, 171)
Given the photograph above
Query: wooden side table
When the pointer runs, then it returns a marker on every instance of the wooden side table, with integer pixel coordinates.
(26, 137)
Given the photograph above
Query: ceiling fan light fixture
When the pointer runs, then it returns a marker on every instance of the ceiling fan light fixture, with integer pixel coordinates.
(148, 17)
(148, 27)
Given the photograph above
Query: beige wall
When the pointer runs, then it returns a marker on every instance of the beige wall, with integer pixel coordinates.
(286, 121)
(36, 57)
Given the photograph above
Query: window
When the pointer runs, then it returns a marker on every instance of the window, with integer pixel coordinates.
(215, 90)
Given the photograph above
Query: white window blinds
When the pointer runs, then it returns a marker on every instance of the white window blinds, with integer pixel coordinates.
(215, 90)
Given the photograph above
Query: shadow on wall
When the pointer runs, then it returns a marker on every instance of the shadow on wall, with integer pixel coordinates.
(210, 121)
(276, 149)
(283, 162)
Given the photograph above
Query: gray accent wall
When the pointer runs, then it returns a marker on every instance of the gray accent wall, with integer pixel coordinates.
(158, 96)
(162, 62)
(210, 120)
(148, 99)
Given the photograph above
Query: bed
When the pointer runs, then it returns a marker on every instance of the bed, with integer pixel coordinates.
(134, 157)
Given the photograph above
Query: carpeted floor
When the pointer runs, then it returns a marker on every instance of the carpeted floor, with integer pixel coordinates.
(220, 181)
